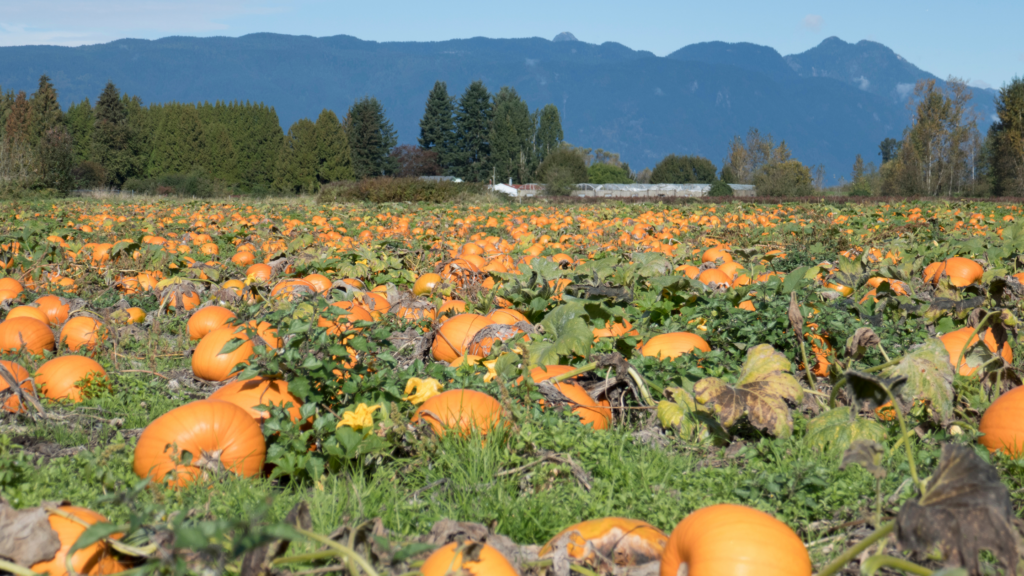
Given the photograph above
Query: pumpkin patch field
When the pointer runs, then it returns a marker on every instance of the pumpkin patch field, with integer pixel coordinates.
(289, 388)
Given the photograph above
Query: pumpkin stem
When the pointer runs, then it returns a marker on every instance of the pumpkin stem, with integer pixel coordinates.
(872, 564)
(852, 552)
(209, 461)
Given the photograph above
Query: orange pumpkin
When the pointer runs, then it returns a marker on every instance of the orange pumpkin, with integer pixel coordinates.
(97, 559)
(716, 276)
(465, 410)
(25, 333)
(67, 376)
(82, 332)
(259, 272)
(349, 312)
(673, 345)
(425, 284)
(218, 435)
(13, 404)
(455, 335)
(249, 394)
(1002, 424)
(448, 560)
(290, 289)
(733, 540)
(320, 282)
(208, 319)
(963, 271)
(207, 361)
(615, 330)
(506, 316)
(626, 541)
(956, 342)
(595, 413)
(28, 312)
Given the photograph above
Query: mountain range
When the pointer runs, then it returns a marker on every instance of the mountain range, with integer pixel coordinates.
(829, 103)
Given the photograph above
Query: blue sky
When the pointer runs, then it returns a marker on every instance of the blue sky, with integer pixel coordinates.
(944, 37)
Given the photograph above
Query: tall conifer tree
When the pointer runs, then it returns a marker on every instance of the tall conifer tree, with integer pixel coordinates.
(471, 156)
(219, 152)
(46, 112)
(297, 163)
(334, 156)
(549, 132)
(371, 137)
(80, 121)
(178, 145)
(437, 128)
(111, 136)
(18, 128)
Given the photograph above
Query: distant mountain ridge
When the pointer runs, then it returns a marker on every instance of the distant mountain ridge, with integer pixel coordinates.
(829, 103)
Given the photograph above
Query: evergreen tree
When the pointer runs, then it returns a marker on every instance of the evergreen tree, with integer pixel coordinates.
(437, 128)
(333, 155)
(858, 169)
(297, 163)
(371, 138)
(6, 103)
(17, 129)
(470, 158)
(219, 152)
(1006, 138)
(46, 112)
(178, 143)
(111, 136)
(549, 132)
(55, 158)
(511, 138)
(683, 170)
(80, 121)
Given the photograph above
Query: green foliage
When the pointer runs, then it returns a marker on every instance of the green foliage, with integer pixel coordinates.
(46, 113)
(720, 189)
(437, 127)
(56, 157)
(789, 178)
(470, 158)
(333, 153)
(116, 140)
(298, 162)
(889, 148)
(565, 167)
(511, 138)
(178, 142)
(608, 174)
(193, 184)
(1007, 140)
(834, 431)
(371, 138)
(219, 159)
(80, 121)
(683, 170)
(389, 189)
(549, 132)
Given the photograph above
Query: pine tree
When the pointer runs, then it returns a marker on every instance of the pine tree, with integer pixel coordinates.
(1006, 139)
(178, 143)
(46, 112)
(371, 138)
(470, 159)
(6, 102)
(297, 163)
(80, 121)
(437, 128)
(333, 154)
(549, 132)
(858, 169)
(111, 139)
(219, 156)
(512, 138)
(17, 129)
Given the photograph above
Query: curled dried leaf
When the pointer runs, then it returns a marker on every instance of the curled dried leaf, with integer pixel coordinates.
(866, 453)
(862, 340)
(796, 319)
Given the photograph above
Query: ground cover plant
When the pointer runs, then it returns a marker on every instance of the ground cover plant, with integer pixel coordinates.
(300, 388)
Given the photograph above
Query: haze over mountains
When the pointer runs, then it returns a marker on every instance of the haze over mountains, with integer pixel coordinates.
(829, 103)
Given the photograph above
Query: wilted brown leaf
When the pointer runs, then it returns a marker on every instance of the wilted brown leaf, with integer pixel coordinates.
(257, 561)
(863, 339)
(866, 453)
(796, 319)
(965, 509)
(25, 535)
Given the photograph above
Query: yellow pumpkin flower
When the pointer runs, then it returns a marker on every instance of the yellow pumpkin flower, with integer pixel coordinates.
(425, 389)
(359, 418)
(491, 372)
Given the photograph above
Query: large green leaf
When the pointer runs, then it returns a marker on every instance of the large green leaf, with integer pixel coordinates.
(566, 332)
(929, 375)
(834, 431)
(651, 264)
(601, 268)
(679, 412)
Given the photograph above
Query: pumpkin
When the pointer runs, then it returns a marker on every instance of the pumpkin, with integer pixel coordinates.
(956, 342)
(455, 335)
(349, 312)
(715, 253)
(615, 330)
(626, 541)
(25, 333)
(290, 289)
(1002, 424)
(673, 345)
(218, 435)
(65, 377)
(28, 312)
(321, 283)
(258, 273)
(97, 559)
(506, 316)
(208, 319)
(425, 284)
(963, 271)
(487, 337)
(207, 361)
(376, 304)
(13, 404)
(11, 285)
(136, 315)
(243, 258)
(465, 410)
(595, 413)
(733, 540)
(451, 307)
(448, 560)
(249, 394)
(714, 276)
(82, 332)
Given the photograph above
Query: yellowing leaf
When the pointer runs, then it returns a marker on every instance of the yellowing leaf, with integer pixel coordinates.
(929, 375)
(833, 432)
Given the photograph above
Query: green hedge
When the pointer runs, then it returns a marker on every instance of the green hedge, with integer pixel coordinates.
(388, 189)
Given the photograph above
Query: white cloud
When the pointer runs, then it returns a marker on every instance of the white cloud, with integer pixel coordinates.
(813, 22)
(863, 82)
(74, 23)
(979, 84)
(904, 90)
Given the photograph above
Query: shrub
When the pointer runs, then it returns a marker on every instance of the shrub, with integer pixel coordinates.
(89, 174)
(569, 163)
(389, 189)
(608, 174)
(789, 178)
(720, 189)
(195, 183)
(683, 170)
(560, 181)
